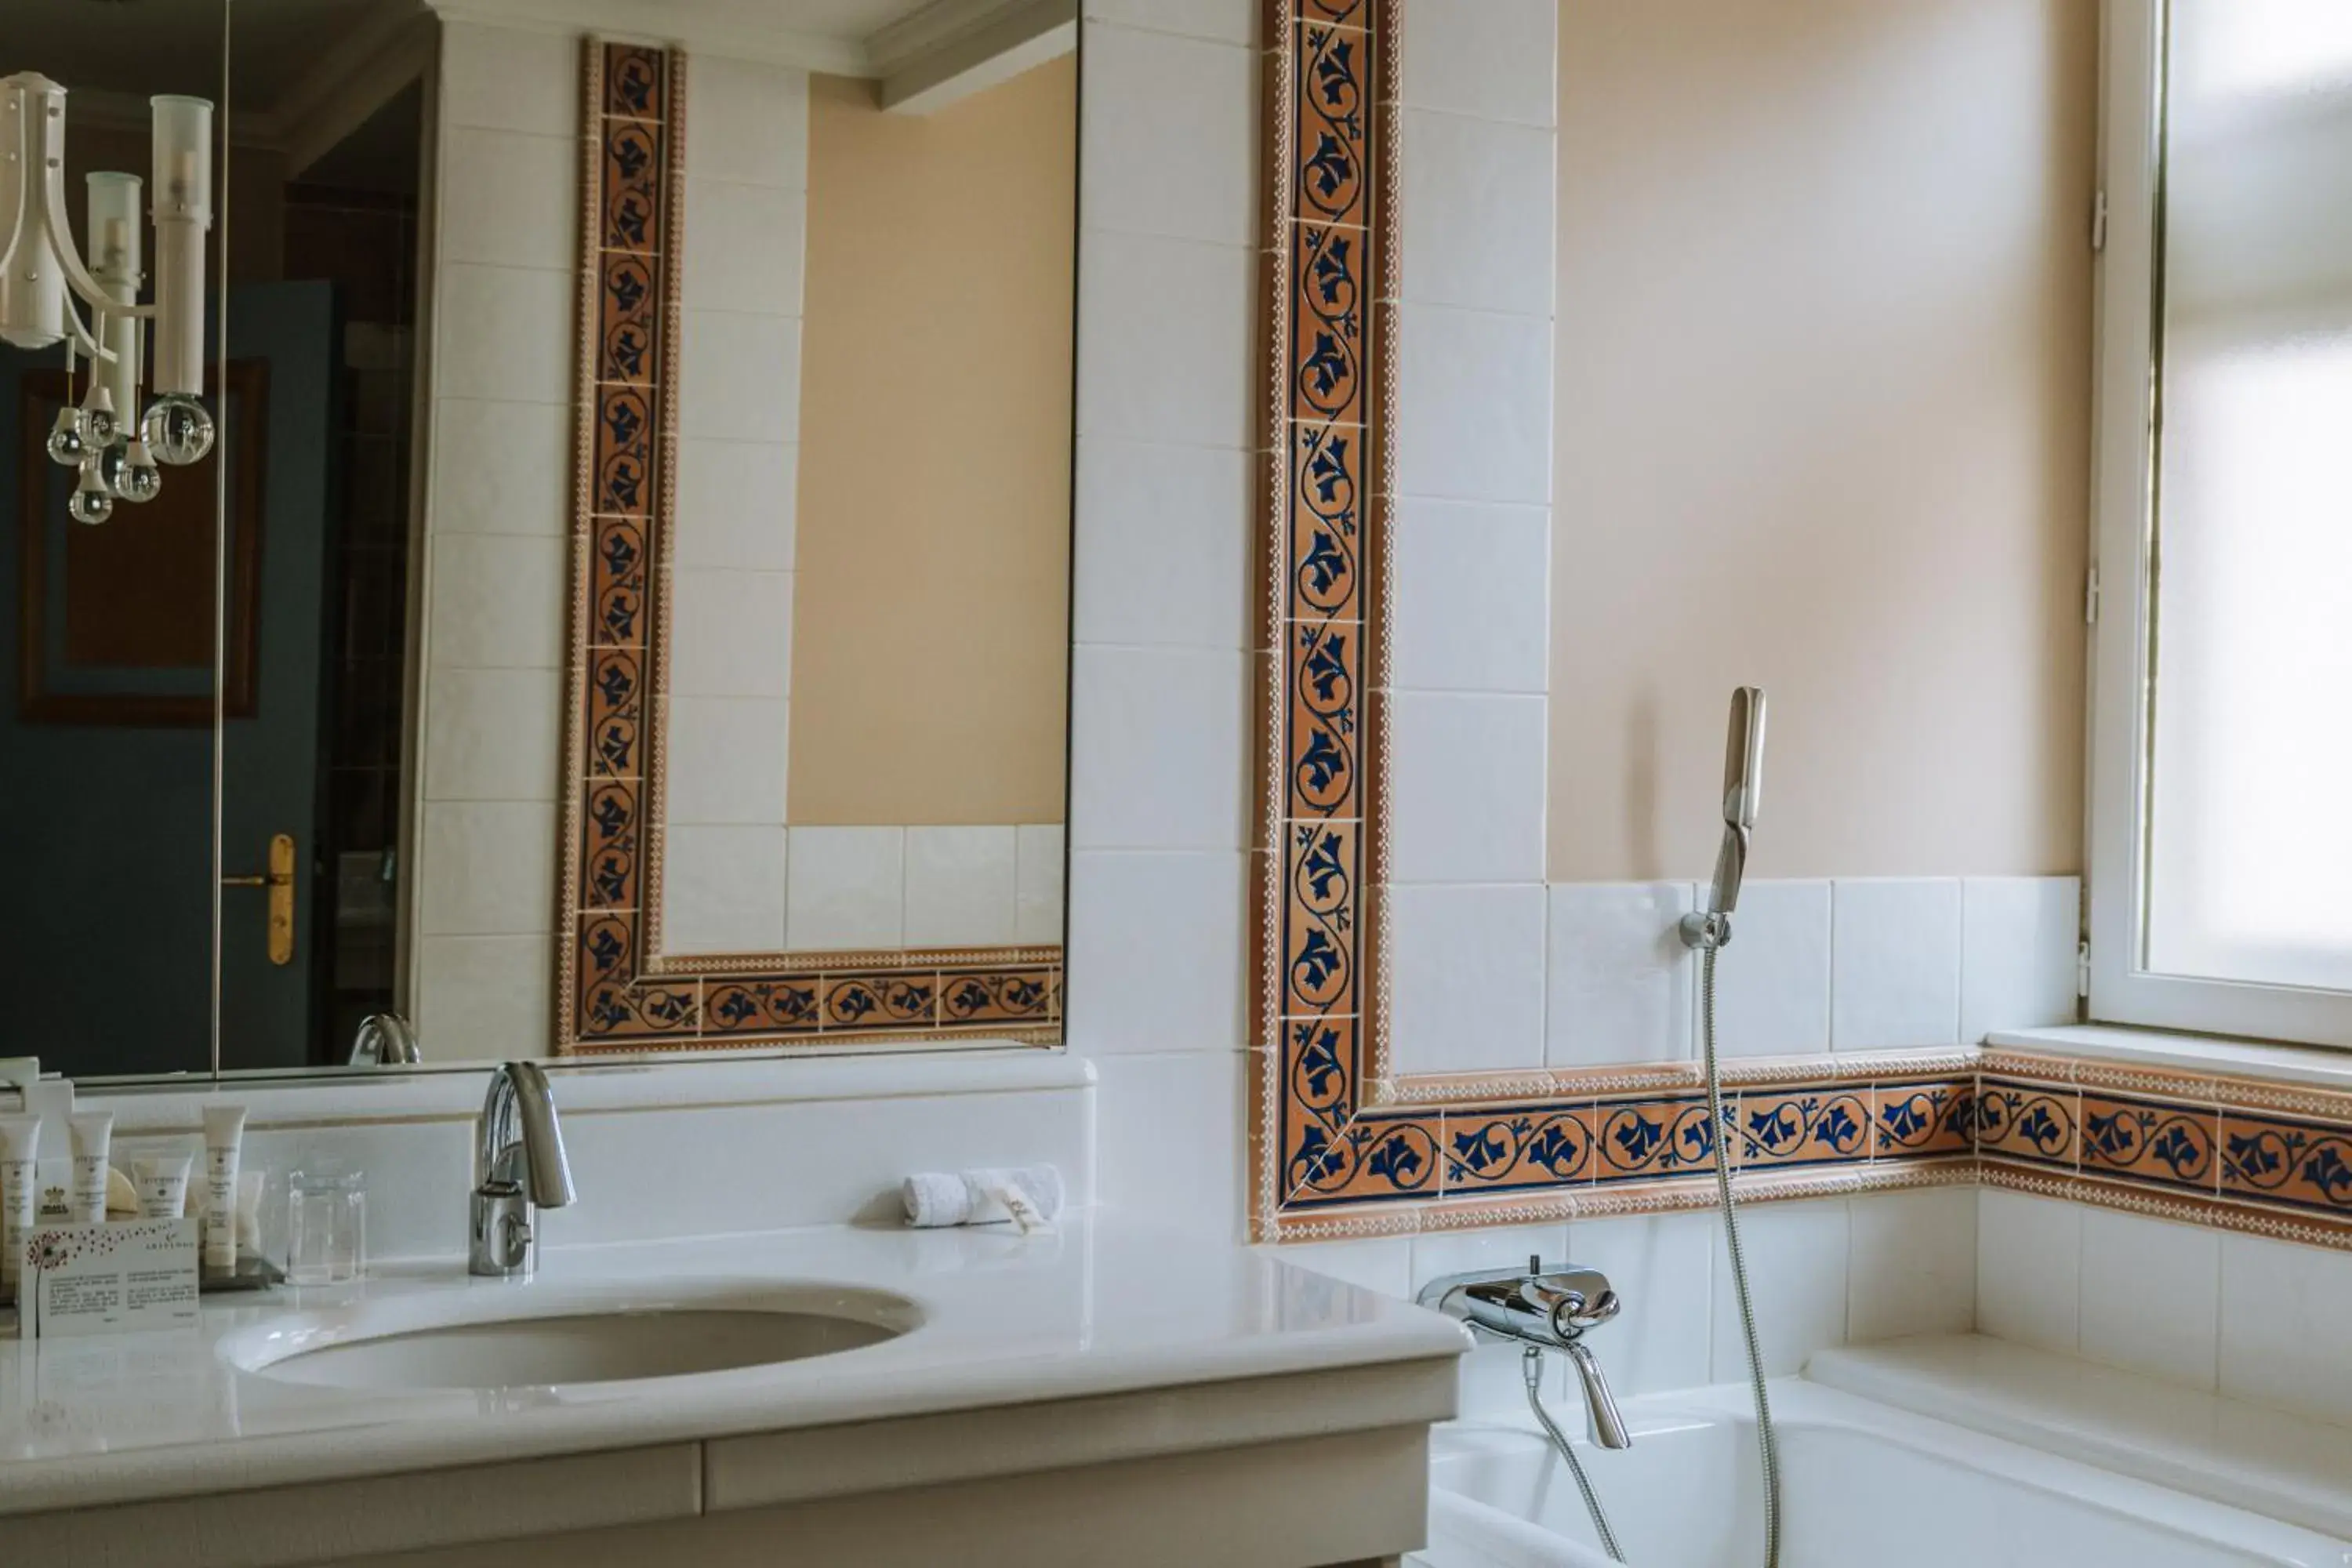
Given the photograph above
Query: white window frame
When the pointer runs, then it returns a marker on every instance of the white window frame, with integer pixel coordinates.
(2122, 991)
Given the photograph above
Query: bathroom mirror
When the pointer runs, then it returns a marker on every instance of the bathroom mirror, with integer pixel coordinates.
(390, 764)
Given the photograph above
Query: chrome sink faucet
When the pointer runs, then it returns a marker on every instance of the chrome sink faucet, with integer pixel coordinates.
(519, 1168)
(1543, 1310)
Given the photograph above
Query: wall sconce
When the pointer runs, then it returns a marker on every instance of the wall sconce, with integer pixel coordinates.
(114, 444)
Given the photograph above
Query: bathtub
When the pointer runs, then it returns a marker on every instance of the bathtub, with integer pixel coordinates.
(1864, 1485)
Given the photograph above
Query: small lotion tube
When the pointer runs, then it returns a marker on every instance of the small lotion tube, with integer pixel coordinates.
(92, 1133)
(162, 1182)
(224, 1150)
(20, 1187)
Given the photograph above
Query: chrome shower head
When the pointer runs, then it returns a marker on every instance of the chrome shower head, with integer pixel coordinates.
(1743, 792)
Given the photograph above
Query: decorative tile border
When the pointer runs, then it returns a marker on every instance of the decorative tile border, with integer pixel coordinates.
(614, 992)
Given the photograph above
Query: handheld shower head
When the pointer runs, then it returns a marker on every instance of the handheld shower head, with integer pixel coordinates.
(1743, 793)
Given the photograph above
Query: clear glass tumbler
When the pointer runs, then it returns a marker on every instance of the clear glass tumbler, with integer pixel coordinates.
(326, 1227)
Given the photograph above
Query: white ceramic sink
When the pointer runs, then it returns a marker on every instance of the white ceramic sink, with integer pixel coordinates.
(491, 1339)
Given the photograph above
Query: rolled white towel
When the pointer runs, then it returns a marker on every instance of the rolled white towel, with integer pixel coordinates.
(935, 1198)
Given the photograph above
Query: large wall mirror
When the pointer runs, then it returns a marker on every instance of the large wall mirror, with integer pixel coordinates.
(624, 606)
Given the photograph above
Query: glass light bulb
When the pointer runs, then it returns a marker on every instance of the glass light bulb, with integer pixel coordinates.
(131, 472)
(97, 427)
(91, 501)
(66, 443)
(178, 429)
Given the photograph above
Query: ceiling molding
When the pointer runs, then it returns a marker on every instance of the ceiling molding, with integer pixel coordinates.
(742, 29)
(952, 49)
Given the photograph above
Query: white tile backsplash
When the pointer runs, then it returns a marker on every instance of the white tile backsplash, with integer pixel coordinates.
(2285, 1335)
(499, 860)
(1663, 1267)
(739, 375)
(1159, 764)
(1159, 924)
(2018, 938)
(2029, 1269)
(730, 634)
(1468, 774)
(723, 888)
(1474, 411)
(1912, 1265)
(2151, 1297)
(497, 601)
(1147, 91)
(726, 760)
(509, 79)
(845, 888)
(960, 886)
(1191, 1183)
(750, 122)
(492, 734)
(1895, 963)
(504, 332)
(1473, 609)
(745, 244)
(501, 468)
(1226, 21)
(1495, 59)
(1797, 1256)
(1621, 979)
(1039, 875)
(1175, 517)
(508, 198)
(484, 998)
(1199, 387)
(1772, 980)
(1479, 197)
(1468, 969)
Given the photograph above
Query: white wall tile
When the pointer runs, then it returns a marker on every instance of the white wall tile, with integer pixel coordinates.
(1896, 963)
(1200, 383)
(1772, 982)
(737, 504)
(2018, 937)
(960, 887)
(745, 245)
(1176, 518)
(2151, 1297)
(1472, 597)
(1912, 1264)
(1796, 1256)
(1382, 1263)
(508, 198)
(1474, 409)
(750, 122)
(723, 889)
(1228, 21)
(2029, 1269)
(1469, 800)
(1156, 748)
(501, 468)
(1479, 197)
(731, 632)
(483, 998)
(509, 79)
(1468, 972)
(1169, 927)
(738, 376)
(847, 887)
(497, 602)
(493, 734)
(486, 868)
(1662, 1266)
(727, 759)
(1493, 1384)
(1039, 873)
(1495, 59)
(504, 332)
(1169, 1137)
(2286, 1337)
(1149, 95)
(1620, 977)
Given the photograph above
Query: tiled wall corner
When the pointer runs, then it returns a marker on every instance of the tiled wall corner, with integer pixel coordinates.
(1912, 1264)
(1159, 704)
(2030, 1269)
(1469, 742)
(494, 568)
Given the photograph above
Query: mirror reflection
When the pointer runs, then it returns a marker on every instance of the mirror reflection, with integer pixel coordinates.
(368, 604)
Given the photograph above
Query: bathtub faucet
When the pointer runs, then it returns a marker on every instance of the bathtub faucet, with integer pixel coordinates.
(1543, 1309)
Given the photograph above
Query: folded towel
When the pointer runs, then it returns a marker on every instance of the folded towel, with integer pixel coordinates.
(1030, 1198)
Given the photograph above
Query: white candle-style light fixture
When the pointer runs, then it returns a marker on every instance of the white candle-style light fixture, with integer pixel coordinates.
(114, 444)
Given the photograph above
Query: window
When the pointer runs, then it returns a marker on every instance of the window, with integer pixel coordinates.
(2221, 753)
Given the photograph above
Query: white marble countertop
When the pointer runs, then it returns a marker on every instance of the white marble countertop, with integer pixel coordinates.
(1092, 1309)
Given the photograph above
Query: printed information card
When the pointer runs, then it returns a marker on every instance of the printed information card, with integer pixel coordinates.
(133, 1277)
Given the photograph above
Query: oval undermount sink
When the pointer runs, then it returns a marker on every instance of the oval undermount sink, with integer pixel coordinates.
(456, 1344)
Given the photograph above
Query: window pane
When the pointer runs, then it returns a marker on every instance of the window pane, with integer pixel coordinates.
(2249, 863)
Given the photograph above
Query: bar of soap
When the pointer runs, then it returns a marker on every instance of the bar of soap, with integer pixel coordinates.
(121, 1195)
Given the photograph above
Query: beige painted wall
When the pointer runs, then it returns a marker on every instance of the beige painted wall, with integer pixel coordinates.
(930, 616)
(1823, 424)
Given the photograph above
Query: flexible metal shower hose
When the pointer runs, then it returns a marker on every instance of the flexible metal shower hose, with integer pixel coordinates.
(1767, 1447)
(1531, 1372)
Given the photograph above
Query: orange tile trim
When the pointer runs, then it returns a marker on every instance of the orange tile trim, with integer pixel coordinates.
(614, 989)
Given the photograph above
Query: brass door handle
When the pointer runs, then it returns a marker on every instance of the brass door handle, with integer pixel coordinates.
(279, 881)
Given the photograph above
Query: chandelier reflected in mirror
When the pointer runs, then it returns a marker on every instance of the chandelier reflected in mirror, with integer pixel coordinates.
(123, 428)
